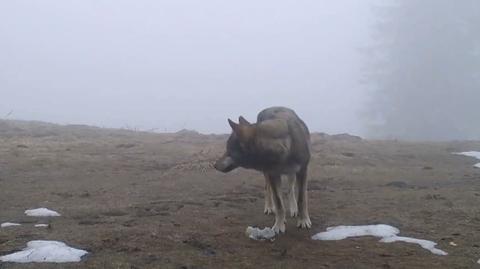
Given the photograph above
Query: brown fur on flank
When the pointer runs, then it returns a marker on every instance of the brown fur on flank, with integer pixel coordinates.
(277, 144)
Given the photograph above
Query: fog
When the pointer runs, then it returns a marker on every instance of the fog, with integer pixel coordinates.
(169, 65)
(423, 70)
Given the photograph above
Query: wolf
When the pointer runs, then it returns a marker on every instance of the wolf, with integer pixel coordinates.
(277, 144)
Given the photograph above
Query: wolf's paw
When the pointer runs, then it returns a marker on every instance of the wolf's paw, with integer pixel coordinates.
(268, 210)
(279, 227)
(304, 223)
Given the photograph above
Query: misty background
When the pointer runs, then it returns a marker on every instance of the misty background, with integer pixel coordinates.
(388, 69)
(423, 70)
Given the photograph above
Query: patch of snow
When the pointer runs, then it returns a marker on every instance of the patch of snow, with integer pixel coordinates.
(41, 225)
(8, 224)
(41, 212)
(260, 234)
(45, 251)
(474, 154)
(386, 232)
(342, 232)
(426, 244)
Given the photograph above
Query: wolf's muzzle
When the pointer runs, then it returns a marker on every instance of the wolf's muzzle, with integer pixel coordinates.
(225, 164)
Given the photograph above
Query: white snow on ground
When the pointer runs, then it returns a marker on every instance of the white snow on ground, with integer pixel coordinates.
(41, 225)
(8, 224)
(342, 232)
(260, 234)
(386, 232)
(474, 154)
(45, 251)
(41, 212)
(426, 244)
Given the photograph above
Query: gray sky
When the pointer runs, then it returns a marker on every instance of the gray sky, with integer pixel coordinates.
(182, 63)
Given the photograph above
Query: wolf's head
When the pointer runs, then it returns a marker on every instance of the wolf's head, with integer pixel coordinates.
(239, 146)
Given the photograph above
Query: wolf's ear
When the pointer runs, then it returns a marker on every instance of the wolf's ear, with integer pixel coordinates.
(243, 121)
(233, 125)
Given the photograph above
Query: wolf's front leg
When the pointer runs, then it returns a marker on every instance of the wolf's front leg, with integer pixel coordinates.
(268, 197)
(275, 182)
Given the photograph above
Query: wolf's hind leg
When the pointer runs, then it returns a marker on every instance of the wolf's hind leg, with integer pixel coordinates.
(303, 216)
(268, 197)
(292, 195)
(275, 183)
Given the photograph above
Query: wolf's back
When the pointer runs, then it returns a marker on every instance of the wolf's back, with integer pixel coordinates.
(277, 112)
(297, 129)
(286, 114)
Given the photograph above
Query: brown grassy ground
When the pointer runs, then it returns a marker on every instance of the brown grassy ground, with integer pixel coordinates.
(143, 200)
